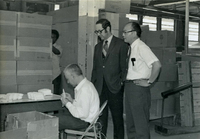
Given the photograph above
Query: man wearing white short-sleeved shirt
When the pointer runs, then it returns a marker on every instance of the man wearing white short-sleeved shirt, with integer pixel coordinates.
(143, 69)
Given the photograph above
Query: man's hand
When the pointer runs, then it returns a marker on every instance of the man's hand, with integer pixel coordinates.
(65, 98)
(142, 82)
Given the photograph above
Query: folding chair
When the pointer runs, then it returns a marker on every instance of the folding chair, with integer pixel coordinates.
(92, 130)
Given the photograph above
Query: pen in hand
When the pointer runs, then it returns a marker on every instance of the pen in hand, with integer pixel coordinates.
(63, 96)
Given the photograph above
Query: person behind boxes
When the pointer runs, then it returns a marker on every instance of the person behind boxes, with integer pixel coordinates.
(143, 69)
(109, 65)
(56, 55)
(82, 109)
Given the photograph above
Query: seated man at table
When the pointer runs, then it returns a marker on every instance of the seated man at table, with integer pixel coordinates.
(85, 105)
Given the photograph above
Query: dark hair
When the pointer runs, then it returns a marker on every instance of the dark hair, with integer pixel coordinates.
(104, 22)
(74, 69)
(137, 28)
(53, 31)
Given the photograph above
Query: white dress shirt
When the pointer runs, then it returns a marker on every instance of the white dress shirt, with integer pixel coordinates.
(86, 103)
(56, 61)
(144, 58)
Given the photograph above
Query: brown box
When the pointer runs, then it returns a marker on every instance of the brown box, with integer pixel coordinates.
(24, 88)
(68, 14)
(34, 72)
(38, 125)
(7, 48)
(118, 6)
(8, 23)
(145, 30)
(158, 87)
(34, 49)
(8, 88)
(165, 55)
(161, 39)
(34, 25)
(168, 72)
(156, 108)
(8, 72)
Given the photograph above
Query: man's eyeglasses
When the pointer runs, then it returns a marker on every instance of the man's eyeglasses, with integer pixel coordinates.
(98, 31)
(124, 32)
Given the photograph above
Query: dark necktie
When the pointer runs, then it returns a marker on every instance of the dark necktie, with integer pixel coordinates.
(105, 48)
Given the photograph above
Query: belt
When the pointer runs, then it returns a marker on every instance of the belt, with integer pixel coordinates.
(130, 81)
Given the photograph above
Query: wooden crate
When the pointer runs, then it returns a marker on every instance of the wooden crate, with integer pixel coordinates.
(37, 125)
(186, 99)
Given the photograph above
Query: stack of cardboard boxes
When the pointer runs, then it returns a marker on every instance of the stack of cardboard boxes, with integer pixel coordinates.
(162, 43)
(30, 125)
(190, 99)
(25, 52)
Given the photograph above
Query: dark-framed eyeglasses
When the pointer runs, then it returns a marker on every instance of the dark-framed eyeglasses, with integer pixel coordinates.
(124, 32)
(98, 31)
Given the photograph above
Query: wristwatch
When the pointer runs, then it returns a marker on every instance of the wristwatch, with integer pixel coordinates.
(149, 82)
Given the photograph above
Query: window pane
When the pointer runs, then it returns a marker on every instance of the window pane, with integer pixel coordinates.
(57, 7)
(167, 24)
(132, 16)
(151, 21)
(193, 31)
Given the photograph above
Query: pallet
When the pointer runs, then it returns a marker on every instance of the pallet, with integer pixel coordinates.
(168, 130)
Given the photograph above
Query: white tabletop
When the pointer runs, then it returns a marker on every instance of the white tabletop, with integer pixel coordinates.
(25, 99)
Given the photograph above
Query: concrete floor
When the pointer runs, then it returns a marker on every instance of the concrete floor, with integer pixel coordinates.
(155, 135)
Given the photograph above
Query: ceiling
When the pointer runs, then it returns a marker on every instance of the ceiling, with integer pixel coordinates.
(167, 8)
(160, 8)
(163, 8)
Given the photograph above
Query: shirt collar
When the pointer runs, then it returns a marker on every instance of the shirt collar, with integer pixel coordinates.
(80, 84)
(135, 42)
(109, 40)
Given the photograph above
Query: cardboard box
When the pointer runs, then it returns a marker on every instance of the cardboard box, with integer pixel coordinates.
(156, 108)
(118, 6)
(145, 30)
(165, 55)
(195, 71)
(158, 87)
(8, 88)
(34, 72)
(38, 125)
(160, 39)
(7, 48)
(34, 25)
(8, 23)
(34, 49)
(68, 14)
(168, 72)
(24, 88)
(8, 72)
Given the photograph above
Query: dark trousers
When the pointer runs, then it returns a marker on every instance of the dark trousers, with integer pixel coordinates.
(68, 121)
(57, 85)
(137, 106)
(115, 104)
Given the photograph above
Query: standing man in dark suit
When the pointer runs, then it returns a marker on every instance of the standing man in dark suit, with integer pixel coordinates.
(109, 66)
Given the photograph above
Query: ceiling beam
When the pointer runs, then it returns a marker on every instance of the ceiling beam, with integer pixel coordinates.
(160, 12)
